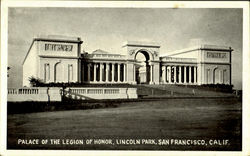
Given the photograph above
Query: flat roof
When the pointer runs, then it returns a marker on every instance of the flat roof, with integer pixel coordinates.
(200, 47)
(57, 38)
(141, 44)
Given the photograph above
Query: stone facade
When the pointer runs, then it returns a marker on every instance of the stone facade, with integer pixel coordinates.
(53, 59)
(59, 59)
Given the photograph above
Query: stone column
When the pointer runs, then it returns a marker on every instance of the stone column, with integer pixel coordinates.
(175, 69)
(195, 81)
(156, 73)
(124, 73)
(82, 72)
(151, 74)
(163, 69)
(79, 71)
(185, 74)
(94, 72)
(169, 74)
(180, 74)
(107, 72)
(190, 76)
(101, 72)
(119, 73)
(113, 73)
(200, 79)
(134, 73)
(165, 81)
(88, 72)
(130, 72)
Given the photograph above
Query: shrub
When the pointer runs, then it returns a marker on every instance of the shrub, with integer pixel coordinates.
(35, 82)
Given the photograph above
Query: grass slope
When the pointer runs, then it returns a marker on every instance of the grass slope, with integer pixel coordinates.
(170, 118)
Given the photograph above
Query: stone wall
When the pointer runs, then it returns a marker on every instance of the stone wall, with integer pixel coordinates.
(55, 93)
(35, 94)
(102, 93)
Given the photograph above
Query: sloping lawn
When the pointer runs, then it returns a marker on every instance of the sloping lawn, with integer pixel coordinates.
(203, 119)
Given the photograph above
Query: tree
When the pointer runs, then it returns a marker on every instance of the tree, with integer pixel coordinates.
(35, 82)
(8, 68)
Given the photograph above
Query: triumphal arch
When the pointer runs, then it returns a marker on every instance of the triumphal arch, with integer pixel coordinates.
(60, 59)
(152, 61)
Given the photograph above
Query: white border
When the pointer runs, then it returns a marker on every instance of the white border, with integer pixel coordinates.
(131, 4)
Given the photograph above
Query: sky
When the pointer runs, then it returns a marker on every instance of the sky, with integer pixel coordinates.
(109, 28)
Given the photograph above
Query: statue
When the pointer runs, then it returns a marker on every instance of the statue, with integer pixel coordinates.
(131, 52)
(155, 53)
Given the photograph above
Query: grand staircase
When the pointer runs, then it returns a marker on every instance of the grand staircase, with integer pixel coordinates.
(156, 91)
(74, 96)
(166, 90)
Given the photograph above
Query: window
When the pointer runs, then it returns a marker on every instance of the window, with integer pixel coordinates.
(70, 72)
(46, 72)
(208, 76)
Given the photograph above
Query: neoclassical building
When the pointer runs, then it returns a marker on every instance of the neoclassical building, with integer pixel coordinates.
(60, 59)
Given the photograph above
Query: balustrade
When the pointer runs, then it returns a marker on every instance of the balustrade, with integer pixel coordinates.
(23, 91)
(94, 91)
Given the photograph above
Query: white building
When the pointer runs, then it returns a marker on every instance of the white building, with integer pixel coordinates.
(59, 59)
(53, 59)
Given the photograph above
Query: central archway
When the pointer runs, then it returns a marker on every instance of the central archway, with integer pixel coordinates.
(142, 67)
(150, 62)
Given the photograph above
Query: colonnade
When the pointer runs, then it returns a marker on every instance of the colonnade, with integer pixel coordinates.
(101, 72)
(180, 74)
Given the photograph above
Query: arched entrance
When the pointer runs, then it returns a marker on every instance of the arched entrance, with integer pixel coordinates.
(219, 76)
(142, 67)
(150, 60)
(58, 72)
